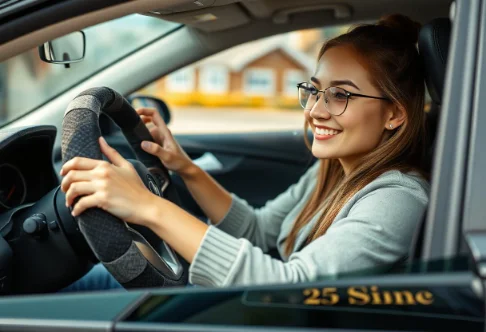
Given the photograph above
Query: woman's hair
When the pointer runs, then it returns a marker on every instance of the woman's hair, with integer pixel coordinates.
(388, 50)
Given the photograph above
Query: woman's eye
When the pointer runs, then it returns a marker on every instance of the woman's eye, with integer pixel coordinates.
(339, 96)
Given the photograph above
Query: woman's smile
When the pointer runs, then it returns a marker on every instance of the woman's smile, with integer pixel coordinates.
(325, 133)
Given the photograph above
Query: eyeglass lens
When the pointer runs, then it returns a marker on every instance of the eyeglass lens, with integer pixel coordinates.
(335, 99)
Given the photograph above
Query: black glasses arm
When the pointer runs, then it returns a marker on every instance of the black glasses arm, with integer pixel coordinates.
(351, 94)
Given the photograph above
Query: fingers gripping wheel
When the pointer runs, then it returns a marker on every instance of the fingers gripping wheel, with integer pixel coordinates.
(127, 255)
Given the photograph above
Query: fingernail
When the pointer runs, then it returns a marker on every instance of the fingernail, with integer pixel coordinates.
(102, 139)
(145, 145)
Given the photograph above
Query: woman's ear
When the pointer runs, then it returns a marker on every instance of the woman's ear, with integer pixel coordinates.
(396, 117)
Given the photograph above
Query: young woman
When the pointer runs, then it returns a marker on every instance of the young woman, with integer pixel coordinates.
(354, 210)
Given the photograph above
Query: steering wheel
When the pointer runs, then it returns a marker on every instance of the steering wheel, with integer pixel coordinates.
(128, 252)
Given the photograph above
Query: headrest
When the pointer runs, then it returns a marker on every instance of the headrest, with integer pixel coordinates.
(433, 44)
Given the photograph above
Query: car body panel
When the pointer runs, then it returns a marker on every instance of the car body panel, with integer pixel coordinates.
(414, 302)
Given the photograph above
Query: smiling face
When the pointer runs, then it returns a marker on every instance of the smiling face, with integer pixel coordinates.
(365, 122)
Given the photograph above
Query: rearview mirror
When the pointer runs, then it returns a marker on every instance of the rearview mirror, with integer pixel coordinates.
(139, 101)
(64, 50)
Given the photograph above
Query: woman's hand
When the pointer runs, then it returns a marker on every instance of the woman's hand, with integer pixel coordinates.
(115, 188)
(166, 148)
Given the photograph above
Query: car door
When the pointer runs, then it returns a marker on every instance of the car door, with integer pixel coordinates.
(473, 225)
(255, 166)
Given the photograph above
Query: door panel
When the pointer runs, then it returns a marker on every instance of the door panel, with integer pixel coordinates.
(284, 146)
(255, 166)
(411, 302)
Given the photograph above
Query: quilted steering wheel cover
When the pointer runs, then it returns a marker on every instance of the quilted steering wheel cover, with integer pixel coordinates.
(108, 236)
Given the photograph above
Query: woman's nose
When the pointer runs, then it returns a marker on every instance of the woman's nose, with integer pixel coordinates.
(319, 111)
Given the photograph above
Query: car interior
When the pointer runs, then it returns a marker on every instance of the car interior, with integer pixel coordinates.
(208, 27)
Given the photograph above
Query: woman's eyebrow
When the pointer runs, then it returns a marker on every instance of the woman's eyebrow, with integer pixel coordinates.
(337, 82)
(344, 82)
(315, 80)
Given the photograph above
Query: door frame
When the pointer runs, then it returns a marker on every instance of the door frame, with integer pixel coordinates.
(448, 199)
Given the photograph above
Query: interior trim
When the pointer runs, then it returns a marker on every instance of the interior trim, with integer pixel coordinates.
(340, 12)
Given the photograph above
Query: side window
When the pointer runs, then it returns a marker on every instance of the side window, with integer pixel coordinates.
(250, 87)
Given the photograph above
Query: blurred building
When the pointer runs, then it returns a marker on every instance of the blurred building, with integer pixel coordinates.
(263, 73)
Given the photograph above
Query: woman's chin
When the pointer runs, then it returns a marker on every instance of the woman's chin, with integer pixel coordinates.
(321, 153)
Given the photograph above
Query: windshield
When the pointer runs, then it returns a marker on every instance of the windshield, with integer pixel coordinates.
(26, 82)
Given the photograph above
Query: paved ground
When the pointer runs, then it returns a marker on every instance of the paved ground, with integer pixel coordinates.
(203, 120)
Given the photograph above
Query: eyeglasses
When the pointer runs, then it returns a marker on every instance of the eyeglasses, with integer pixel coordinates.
(336, 99)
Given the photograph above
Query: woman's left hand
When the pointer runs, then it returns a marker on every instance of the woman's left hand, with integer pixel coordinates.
(115, 188)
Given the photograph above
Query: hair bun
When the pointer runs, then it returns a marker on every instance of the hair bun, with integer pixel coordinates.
(403, 25)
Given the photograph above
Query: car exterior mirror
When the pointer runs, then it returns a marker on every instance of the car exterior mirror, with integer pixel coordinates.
(67, 49)
(139, 101)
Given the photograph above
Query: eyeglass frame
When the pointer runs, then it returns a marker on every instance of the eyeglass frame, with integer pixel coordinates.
(348, 94)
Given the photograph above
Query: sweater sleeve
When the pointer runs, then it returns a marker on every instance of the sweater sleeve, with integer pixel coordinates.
(376, 232)
(262, 226)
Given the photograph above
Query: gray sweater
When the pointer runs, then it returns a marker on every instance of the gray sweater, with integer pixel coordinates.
(373, 230)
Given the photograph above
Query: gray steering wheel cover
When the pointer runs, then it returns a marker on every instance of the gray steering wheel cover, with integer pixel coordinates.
(128, 266)
(108, 236)
(84, 102)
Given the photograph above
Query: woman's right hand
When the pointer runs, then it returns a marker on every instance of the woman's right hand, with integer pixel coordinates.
(165, 147)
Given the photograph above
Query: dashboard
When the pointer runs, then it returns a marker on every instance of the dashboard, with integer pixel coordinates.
(26, 170)
(13, 186)
(41, 248)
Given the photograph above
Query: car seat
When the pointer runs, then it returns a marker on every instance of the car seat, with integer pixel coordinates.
(433, 44)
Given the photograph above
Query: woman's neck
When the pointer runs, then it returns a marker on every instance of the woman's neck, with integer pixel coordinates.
(350, 163)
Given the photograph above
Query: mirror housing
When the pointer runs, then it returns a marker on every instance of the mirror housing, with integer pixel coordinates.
(138, 101)
(64, 50)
